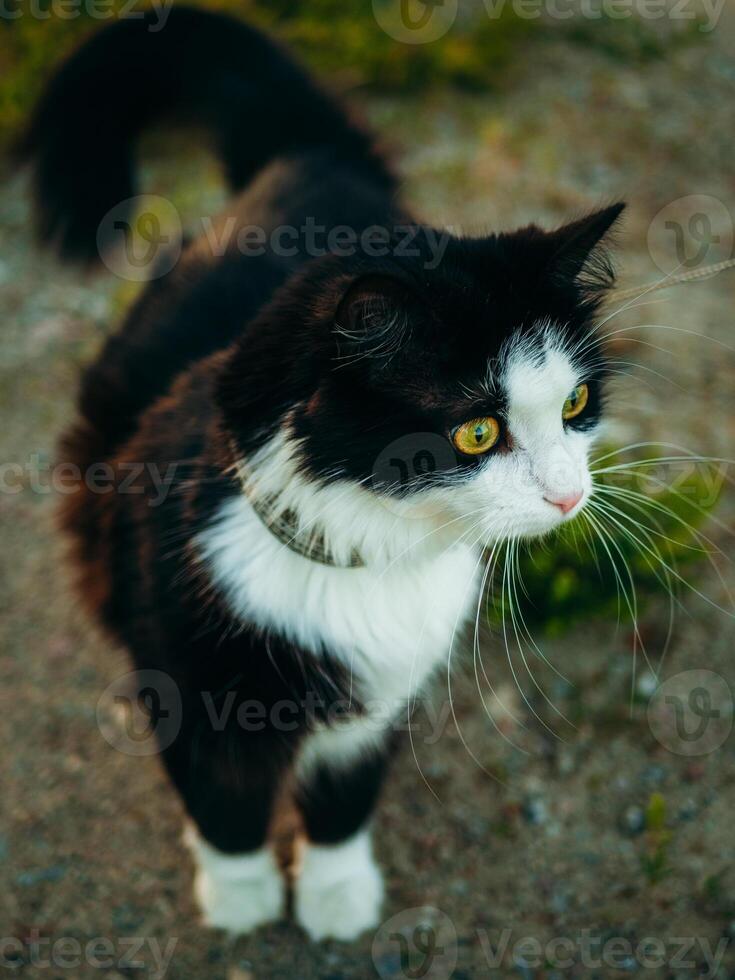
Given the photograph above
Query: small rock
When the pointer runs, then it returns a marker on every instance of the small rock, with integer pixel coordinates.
(653, 775)
(646, 684)
(559, 901)
(535, 810)
(388, 965)
(525, 971)
(632, 821)
(53, 873)
(688, 811)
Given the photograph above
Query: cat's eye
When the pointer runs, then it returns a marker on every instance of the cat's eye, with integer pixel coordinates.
(477, 436)
(575, 403)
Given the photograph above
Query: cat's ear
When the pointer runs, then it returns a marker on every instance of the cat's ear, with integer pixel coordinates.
(578, 252)
(374, 317)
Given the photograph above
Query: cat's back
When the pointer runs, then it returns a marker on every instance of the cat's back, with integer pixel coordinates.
(223, 277)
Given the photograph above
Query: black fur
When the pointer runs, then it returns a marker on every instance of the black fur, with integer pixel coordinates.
(212, 354)
(212, 71)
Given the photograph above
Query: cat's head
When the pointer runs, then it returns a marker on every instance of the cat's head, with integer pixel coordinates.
(467, 391)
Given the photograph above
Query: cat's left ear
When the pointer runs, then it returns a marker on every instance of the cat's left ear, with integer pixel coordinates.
(374, 316)
(578, 249)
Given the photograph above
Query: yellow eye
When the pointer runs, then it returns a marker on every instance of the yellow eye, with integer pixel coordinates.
(575, 404)
(477, 436)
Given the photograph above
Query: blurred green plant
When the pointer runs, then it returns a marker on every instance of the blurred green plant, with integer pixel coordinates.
(333, 37)
(655, 859)
(337, 39)
(637, 538)
(632, 40)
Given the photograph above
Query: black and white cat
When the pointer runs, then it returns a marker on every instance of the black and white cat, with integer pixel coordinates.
(284, 574)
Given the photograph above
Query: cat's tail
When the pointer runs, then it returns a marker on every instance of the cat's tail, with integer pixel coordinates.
(198, 67)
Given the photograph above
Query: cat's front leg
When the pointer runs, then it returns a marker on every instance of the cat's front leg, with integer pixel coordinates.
(339, 889)
(229, 780)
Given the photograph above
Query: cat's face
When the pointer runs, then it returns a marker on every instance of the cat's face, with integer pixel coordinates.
(469, 393)
(536, 475)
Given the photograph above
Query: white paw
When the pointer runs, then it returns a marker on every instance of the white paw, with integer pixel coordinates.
(340, 891)
(237, 893)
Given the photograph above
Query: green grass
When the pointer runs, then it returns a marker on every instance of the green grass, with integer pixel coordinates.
(655, 859)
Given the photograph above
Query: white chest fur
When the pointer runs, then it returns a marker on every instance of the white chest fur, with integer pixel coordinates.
(391, 625)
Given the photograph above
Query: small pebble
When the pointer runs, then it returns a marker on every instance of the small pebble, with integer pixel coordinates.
(388, 965)
(688, 811)
(646, 685)
(632, 821)
(535, 810)
(559, 902)
(525, 971)
(54, 873)
(653, 775)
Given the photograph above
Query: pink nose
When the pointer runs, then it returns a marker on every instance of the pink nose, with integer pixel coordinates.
(565, 502)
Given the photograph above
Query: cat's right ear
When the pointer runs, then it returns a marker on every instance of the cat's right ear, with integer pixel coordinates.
(374, 318)
(579, 253)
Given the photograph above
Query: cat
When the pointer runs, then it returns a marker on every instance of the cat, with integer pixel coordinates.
(347, 433)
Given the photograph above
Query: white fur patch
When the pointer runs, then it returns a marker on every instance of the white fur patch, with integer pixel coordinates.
(548, 459)
(536, 394)
(339, 892)
(236, 892)
(340, 745)
(390, 623)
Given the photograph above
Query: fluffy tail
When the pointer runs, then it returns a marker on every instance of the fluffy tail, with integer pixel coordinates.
(200, 68)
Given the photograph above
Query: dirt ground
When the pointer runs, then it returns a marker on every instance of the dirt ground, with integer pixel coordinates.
(606, 833)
